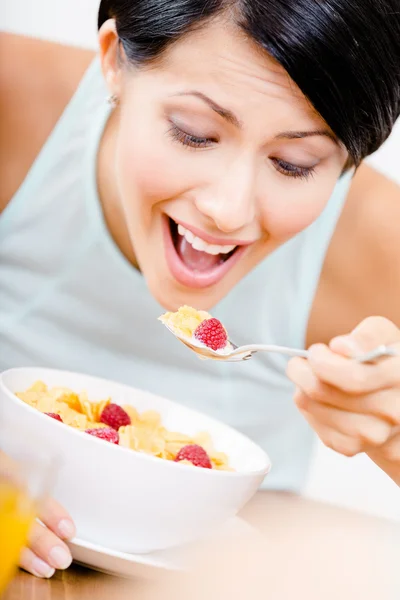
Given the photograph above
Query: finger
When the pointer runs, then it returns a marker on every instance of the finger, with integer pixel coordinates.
(48, 547)
(369, 334)
(366, 432)
(390, 453)
(302, 375)
(57, 519)
(35, 565)
(334, 440)
(352, 377)
(384, 404)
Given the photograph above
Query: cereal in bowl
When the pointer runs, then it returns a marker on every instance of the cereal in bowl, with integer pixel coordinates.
(125, 426)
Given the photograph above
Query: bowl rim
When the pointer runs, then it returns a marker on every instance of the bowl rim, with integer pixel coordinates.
(115, 447)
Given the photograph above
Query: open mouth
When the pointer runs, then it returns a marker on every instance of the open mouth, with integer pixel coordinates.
(197, 254)
(193, 261)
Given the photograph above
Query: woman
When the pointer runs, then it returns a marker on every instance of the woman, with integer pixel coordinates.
(224, 173)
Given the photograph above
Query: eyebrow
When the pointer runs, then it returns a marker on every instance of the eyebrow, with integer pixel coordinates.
(232, 118)
(299, 135)
(223, 112)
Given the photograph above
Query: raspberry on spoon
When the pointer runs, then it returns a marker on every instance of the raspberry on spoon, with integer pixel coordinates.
(212, 334)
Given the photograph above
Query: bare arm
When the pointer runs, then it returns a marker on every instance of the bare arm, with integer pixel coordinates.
(361, 274)
(355, 408)
(37, 80)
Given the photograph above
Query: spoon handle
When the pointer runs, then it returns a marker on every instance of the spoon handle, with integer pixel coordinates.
(271, 348)
(379, 352)
(369, 357)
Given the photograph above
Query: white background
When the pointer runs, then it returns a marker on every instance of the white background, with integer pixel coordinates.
(355, 483)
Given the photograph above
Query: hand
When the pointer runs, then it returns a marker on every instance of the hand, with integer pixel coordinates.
(46, 549)
(354, 407)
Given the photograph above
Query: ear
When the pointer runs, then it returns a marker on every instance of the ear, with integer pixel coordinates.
(110, 57)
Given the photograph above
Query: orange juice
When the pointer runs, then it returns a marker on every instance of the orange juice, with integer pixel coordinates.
(17, 514)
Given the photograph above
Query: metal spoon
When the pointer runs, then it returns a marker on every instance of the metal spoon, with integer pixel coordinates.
(239, 353)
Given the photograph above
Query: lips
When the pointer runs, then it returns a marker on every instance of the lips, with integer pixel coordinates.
(193, 268)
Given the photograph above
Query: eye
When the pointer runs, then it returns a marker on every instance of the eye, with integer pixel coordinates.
(187, 139)
(290, 170)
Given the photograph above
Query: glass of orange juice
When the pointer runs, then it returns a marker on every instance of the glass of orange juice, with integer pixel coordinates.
(25, 480)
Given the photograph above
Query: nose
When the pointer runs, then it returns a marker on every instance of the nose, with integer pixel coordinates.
(230, 199)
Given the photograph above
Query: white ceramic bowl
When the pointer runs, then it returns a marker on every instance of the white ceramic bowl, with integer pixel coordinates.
(125, 500)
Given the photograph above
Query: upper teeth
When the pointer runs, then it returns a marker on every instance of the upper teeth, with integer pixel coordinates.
(199, 244)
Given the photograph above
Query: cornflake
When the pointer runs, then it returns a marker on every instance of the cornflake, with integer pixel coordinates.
(146, 432)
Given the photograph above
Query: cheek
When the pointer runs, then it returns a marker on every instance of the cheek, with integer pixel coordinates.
(292, 210)
(147, 168)
(143, 171)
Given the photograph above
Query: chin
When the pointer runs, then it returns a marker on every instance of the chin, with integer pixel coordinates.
(171, 294)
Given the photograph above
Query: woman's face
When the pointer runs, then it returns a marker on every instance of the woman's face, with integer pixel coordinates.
(219, 159)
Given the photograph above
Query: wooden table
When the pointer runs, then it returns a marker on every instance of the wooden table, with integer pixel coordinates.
(308, 550)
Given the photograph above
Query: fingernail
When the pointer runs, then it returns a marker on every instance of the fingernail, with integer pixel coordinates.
(66, 529)
(42, 569)
(60, 557)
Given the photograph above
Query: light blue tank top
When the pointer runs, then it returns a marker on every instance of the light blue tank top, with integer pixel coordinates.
(70, 300)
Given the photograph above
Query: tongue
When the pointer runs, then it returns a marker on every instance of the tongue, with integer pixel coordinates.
(195, 259)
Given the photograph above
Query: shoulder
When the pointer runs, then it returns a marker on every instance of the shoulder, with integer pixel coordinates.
(361, 275)
(37, 80)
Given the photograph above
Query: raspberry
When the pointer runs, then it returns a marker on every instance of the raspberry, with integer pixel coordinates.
(105, 433)
(54, 416)
(211, 332)
(194, 454)
(115, 416)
